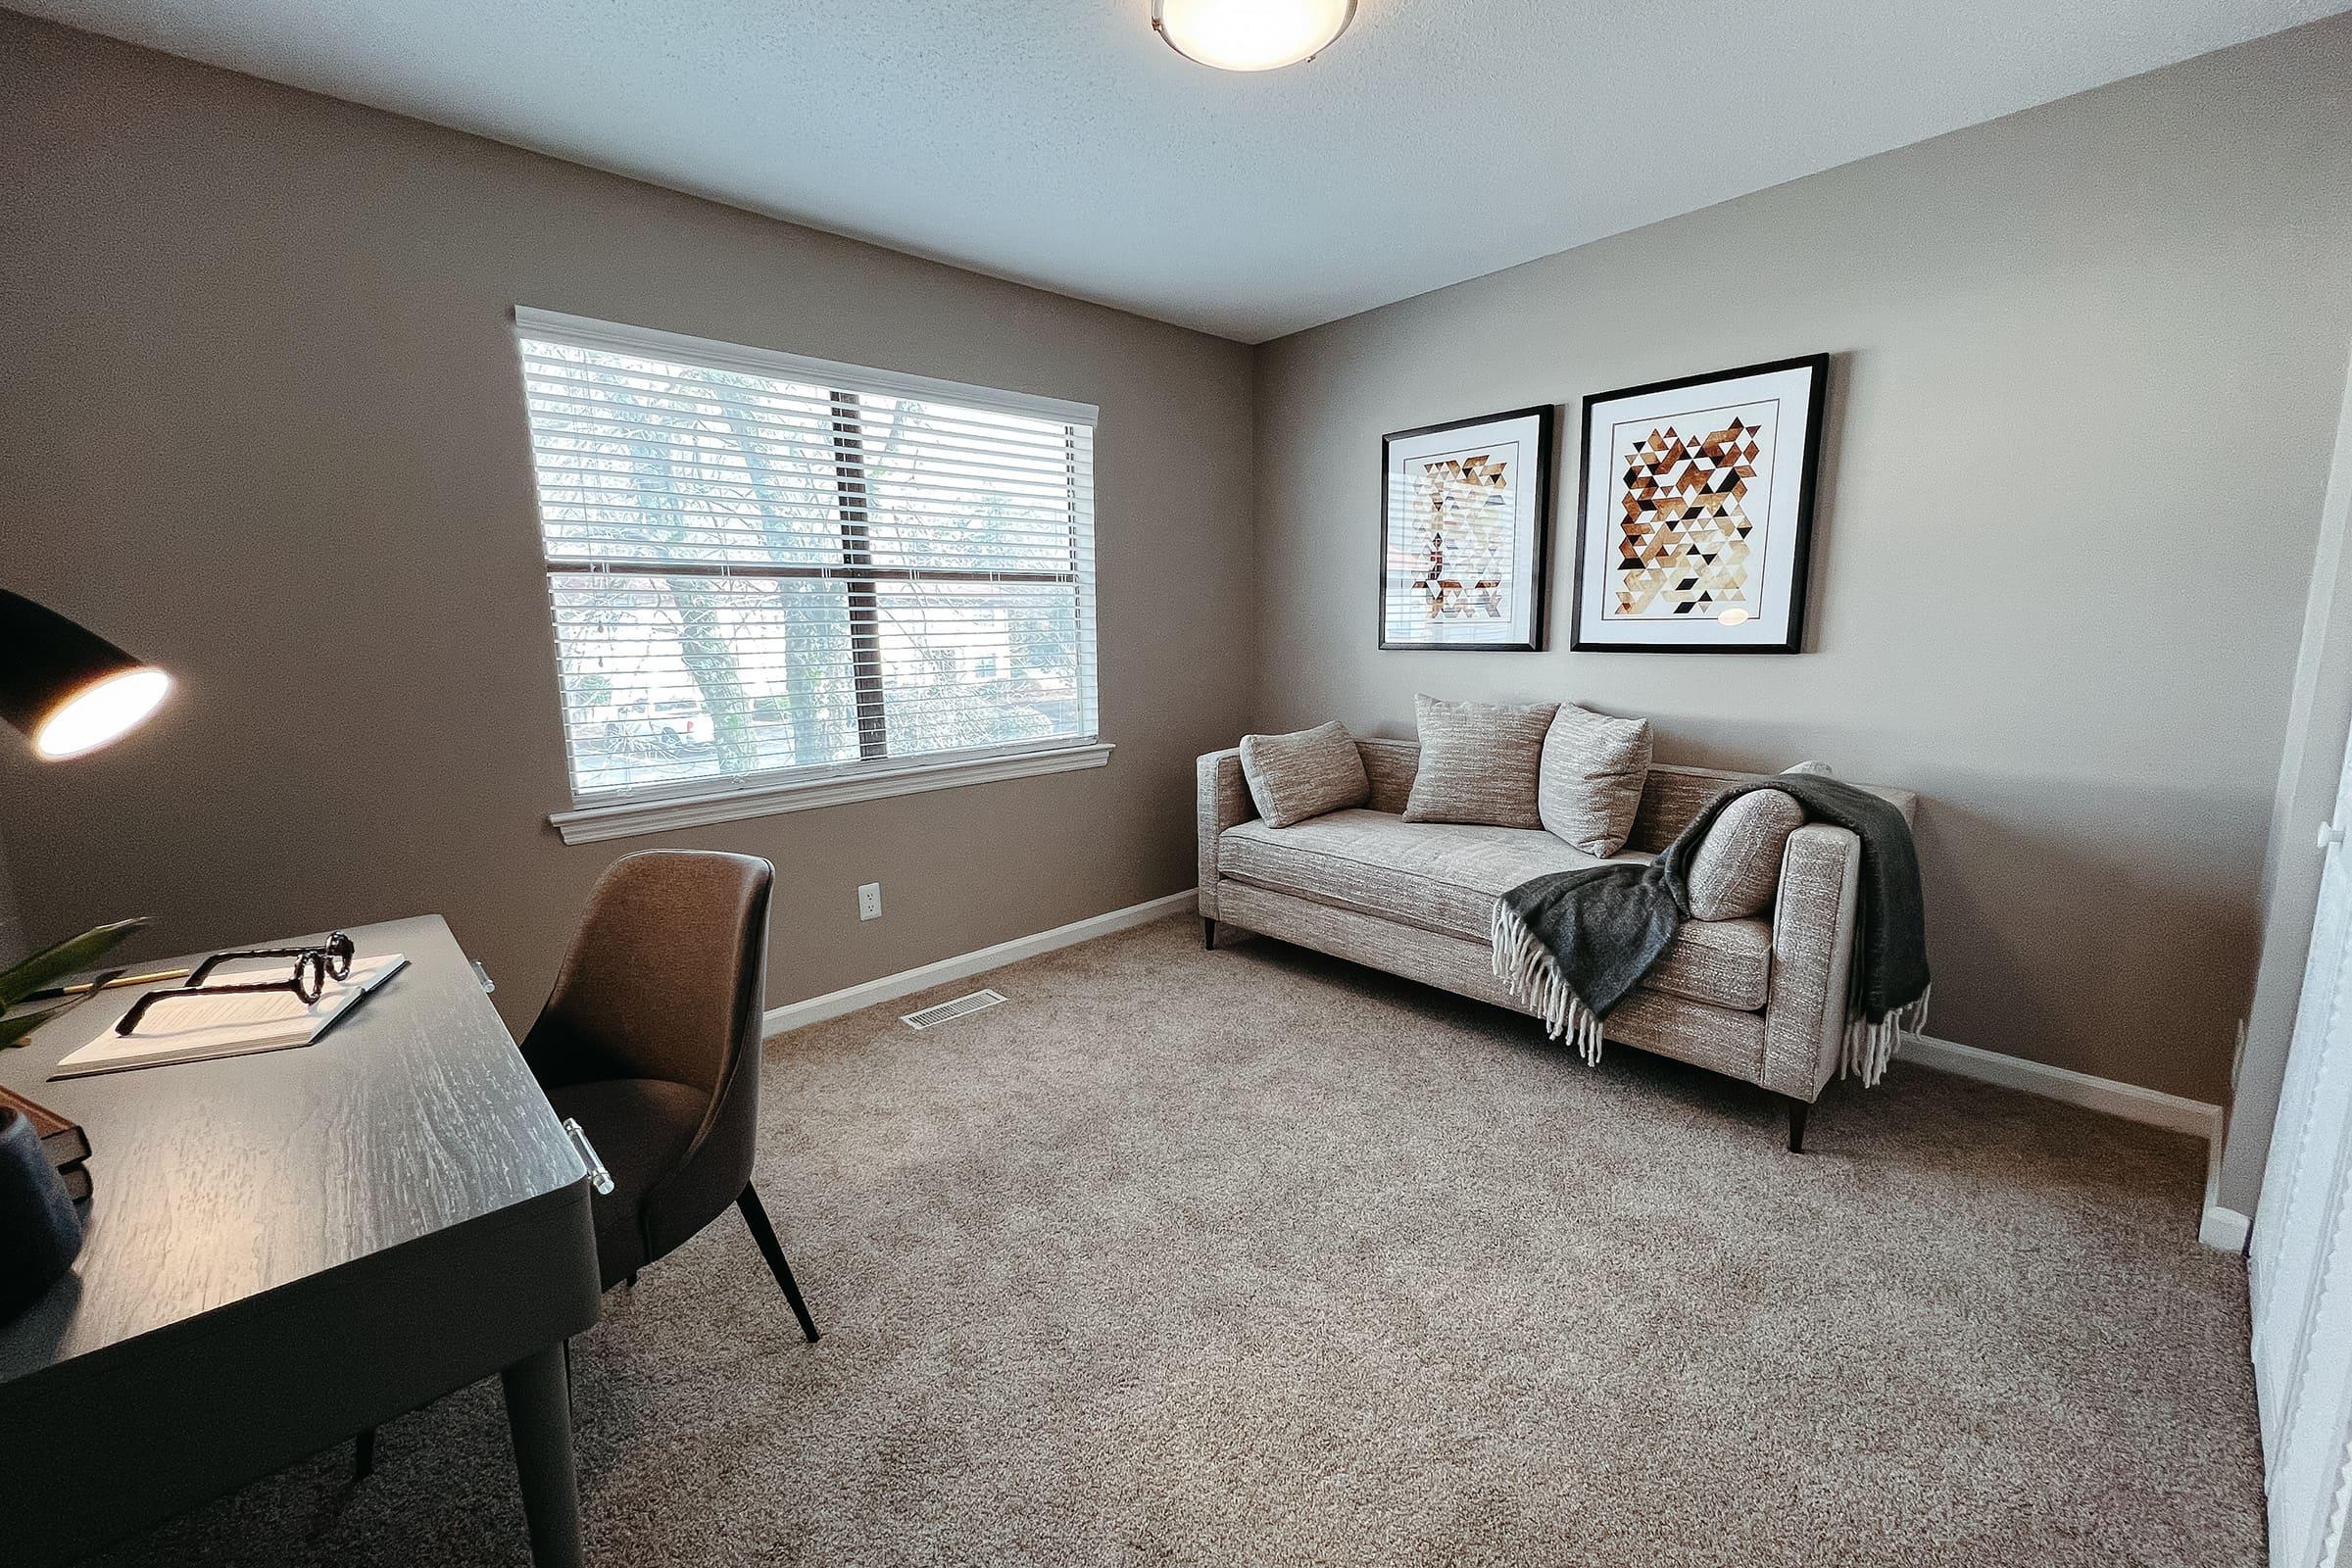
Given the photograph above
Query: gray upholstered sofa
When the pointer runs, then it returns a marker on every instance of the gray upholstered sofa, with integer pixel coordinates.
(1762, 999)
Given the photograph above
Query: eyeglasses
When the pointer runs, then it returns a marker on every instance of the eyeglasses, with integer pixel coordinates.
(312, 968)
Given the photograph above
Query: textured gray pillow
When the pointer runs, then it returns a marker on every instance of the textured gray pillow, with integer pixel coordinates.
(1305, 774)
(1588, 788)
(1479, 762)
(1737, 866)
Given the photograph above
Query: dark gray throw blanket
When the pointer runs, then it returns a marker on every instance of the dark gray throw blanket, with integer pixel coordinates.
(1571, 944)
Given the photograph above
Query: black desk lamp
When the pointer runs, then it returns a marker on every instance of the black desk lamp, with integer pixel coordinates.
(68, 689)
(71, 691)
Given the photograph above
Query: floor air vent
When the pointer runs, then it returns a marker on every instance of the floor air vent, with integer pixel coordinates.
(945, 1011)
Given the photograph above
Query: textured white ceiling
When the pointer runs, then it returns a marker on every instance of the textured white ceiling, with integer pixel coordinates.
(1060, 143)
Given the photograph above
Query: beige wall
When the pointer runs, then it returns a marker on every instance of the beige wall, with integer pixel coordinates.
(262, 422)
(2088, 362)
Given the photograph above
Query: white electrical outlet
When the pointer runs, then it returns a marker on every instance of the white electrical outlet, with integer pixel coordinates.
(870, 901)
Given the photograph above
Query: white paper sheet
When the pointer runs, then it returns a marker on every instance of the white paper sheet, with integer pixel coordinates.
(206, 1027)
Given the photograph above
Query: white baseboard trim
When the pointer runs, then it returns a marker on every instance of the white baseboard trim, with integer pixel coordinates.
(906, 982)
(2223, 1229)
(2131, 1102)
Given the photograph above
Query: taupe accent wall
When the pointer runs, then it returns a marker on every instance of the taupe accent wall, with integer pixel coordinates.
(260, 420)
(2087, 362)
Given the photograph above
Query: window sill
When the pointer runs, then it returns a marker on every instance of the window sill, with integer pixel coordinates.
(622, 820)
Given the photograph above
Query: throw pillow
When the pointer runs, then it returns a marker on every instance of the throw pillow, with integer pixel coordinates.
(1737, 866)
(1305, 774)
(1589, 787)
(1480, 763)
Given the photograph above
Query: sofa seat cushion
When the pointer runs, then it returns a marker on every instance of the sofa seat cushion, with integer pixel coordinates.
(1444, 877)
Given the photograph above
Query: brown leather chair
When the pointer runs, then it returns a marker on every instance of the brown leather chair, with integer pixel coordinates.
(650, 1040)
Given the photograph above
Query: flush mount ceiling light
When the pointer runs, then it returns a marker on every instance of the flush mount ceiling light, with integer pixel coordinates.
(1250, 34)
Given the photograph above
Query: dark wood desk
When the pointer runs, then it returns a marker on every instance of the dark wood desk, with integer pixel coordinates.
(289, 1247)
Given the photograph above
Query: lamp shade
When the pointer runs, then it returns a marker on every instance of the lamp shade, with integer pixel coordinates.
(68, 689)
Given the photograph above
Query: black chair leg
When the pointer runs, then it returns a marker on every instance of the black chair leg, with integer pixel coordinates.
(1797, 1109)
(1208, 934)
(362, 1456)
(755, 1216)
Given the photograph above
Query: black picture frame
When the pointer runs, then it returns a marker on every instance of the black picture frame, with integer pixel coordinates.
(1546, 418)
(1808, 473)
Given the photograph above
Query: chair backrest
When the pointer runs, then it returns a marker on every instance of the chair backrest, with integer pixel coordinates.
(666, 977)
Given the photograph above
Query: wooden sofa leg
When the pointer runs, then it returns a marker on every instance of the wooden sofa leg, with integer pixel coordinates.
(1797, 1109)
(1208, 933)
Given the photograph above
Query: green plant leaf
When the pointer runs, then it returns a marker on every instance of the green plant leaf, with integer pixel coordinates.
(17, 1025)
(52, 964)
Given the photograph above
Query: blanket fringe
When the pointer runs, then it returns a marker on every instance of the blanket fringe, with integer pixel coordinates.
(1870, 1046)
(1528, 971)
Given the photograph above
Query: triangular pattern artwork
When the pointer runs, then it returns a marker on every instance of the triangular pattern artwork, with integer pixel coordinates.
(1686, 534)
(1468, 513)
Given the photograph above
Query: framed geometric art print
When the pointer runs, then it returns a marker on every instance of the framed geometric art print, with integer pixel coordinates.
(1695, 511)
(1464, 510)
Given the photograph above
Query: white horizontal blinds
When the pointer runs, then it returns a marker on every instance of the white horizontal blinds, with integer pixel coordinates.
(760, 566)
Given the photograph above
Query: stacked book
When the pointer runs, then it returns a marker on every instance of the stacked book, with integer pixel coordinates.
(66, 1143)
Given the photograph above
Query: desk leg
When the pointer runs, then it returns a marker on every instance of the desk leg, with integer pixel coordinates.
(539, 1416)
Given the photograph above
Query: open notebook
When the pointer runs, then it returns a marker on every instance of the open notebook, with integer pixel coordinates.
(228, 1026)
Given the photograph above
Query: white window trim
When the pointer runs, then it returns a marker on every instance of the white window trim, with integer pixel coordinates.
(621, 819)
(700, 802)
(586, 331)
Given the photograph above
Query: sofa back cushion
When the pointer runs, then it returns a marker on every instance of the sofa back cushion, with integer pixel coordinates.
(1480, 763)
(1671, 799)
(1390, 765)
(1305, 774)
(1737, 866)
(1672, 796)
(1589, 785)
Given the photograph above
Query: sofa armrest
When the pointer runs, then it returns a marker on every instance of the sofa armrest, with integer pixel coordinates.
(1902, 801)
(1812, 959)
(1222, 802)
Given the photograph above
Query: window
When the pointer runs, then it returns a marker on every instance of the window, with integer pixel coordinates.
(780, 582)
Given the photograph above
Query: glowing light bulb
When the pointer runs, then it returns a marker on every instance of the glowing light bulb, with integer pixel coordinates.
(101, 712)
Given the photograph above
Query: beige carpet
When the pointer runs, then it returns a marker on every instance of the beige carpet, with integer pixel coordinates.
(1254, 1258)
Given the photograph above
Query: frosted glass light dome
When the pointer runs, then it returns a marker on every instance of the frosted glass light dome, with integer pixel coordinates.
(1250, 34)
